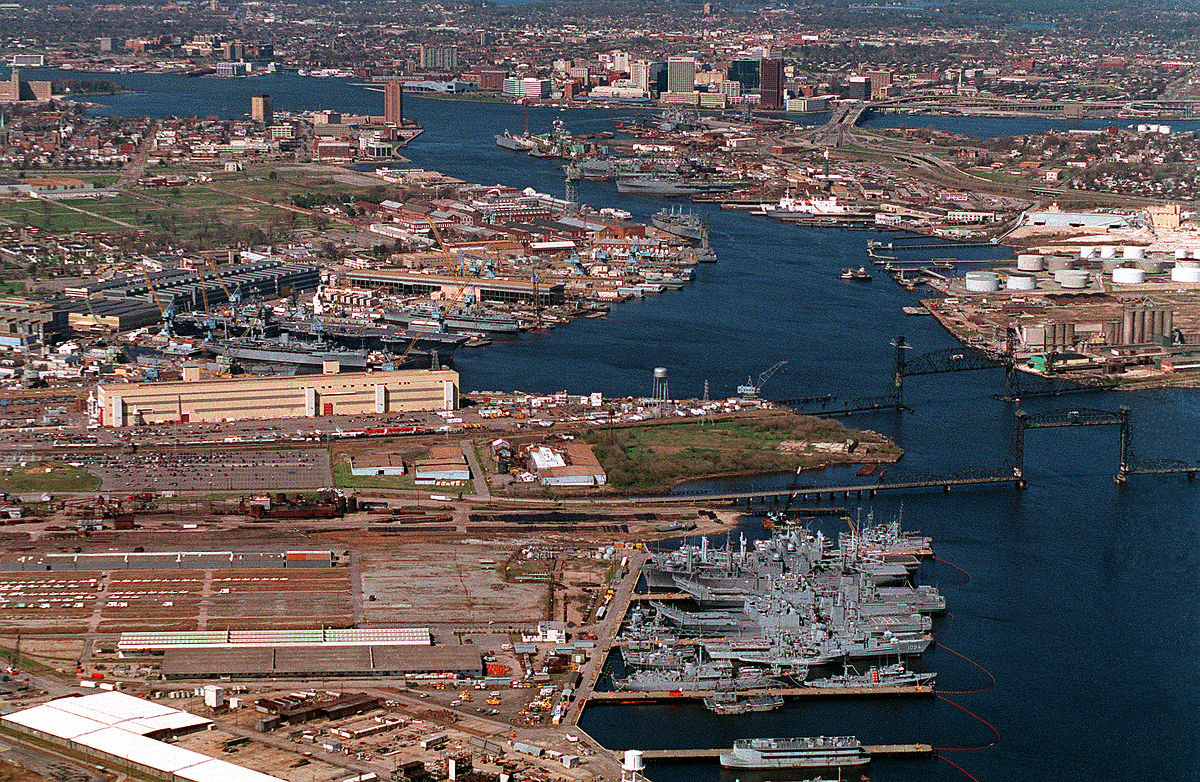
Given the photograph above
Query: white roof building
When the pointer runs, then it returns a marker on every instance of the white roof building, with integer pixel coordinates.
(113, 725)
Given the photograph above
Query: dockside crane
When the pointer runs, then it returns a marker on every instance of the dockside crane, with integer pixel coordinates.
(167, 313)
(751, 389)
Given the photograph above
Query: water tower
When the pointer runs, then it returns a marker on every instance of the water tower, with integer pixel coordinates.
(634, 765)
(659, 391)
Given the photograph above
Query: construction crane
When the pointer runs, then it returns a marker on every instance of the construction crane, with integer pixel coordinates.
(751, 388)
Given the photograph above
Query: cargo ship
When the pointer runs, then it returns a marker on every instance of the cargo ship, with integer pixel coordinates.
(815, 752)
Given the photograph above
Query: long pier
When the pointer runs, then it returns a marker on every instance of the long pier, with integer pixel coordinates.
(787, 692)
(833, 492)
(874, 750)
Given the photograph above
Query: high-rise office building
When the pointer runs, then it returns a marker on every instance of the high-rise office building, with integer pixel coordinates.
(439, 57)
(262, 109)
(393, 102)
(681, 74)
(745, 73)
(858, 88)
(771, 84)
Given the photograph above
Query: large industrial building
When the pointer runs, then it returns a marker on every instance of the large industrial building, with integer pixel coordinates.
(258, 398)
(128, 733)
(480, 288)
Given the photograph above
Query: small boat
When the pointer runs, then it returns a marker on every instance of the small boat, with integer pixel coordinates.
(866, 470)
(859, 275)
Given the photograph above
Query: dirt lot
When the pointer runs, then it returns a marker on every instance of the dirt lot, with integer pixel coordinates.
(11, 773)
(265, 758)
(446, 583)
(128, 600)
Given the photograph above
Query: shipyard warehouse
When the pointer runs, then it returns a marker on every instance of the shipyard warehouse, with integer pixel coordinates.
(306, 396)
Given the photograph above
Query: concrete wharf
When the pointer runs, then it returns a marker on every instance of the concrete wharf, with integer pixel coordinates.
(874, 750)
(787, 692)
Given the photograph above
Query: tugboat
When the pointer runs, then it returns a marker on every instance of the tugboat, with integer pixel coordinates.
(858, 275)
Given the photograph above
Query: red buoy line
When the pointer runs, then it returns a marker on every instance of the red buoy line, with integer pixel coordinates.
(972, 662)
(949, 616)
(970, 713)
(956, 567)
(960, 769)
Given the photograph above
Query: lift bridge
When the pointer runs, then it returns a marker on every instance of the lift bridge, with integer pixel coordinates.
(1010, 471)
(1017, 384)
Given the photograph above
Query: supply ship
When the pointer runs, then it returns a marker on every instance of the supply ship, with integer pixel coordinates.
(685, 225)
(816, 752)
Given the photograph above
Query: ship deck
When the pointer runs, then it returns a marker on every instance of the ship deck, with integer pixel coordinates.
(874, 750)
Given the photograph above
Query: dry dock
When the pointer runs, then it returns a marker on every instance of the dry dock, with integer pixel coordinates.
(874, 750)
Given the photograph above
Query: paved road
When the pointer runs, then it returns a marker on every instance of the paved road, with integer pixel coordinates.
(477, 477)
(50, 765)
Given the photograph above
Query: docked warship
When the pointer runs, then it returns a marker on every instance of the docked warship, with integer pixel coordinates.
(788, 605)
(685, 225)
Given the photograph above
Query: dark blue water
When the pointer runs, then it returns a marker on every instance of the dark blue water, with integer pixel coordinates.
(1082, 596)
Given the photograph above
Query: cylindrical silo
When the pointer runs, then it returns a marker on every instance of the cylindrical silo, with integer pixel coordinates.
(1127, 327)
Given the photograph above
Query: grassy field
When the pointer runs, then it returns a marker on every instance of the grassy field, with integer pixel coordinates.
(52, 217)
(654, 458)
(47, 476)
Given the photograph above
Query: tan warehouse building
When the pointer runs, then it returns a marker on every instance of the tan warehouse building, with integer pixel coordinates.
(304, 396)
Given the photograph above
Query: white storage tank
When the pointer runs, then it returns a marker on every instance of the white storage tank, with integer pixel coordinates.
(1031, 263)
(983, 282)
(1183, 273)
(1131, 253)
(1108, 251)
(1087, 252)
(1128, 275)
(1021, 282)
(1074, 279)
(1182, 252)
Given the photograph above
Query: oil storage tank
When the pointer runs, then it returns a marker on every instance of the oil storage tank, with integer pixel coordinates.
(983, 282)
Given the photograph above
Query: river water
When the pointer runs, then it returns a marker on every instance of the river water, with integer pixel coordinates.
(1081, 600)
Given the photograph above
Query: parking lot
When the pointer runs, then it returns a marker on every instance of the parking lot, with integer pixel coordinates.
(184, 470)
